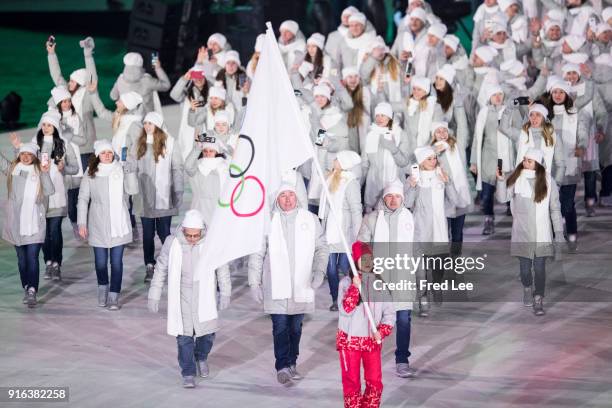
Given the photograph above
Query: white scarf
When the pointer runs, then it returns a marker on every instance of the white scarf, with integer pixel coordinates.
(405, 227)
(425, 119)
(336, 198)
(207, 165)
(526, 140)
(72, 123)
(360, 44)
(118, 218)
(568, 131)
(57, 199)
(288, 51)
(429, 179)
(458, 175)
(394, 85)
(507, 50)
(542, 214)
(28, 215)
(519, 28)
(503, 144)
(77, 101)
(280, 266)
(484, 11)
(390, 169)
(163, 176)
(119, 140)
(581, 18)
(330, 117)
(207, 308)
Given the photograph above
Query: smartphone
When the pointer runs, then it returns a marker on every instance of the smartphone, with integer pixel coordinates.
(408, 71)
(44, 158)
(521, 100)
(197, 75)
(297, 92)
(320, 137)
(500, 163)
(154, 58)
(593, 24)
(242, 80)
(201, 137)
(51, 40)
(210, 53)
(415, 172)
(124, 153)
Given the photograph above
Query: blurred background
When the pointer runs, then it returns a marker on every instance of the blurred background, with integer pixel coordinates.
(174, 28)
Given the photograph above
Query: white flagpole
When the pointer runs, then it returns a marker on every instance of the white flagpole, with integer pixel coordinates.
(334, 213)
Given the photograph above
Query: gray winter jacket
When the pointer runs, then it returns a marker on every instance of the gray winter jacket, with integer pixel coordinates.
(87, 110)
(12, 215)
(189, 292)
(135, 79)
(94, 208)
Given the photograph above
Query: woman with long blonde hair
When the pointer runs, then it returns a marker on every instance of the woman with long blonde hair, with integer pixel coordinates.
(28, 186)
(419, 112)
(345, 194)
(159, 168)
(381, 71)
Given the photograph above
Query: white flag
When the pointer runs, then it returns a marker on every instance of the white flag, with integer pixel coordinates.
(273, 139)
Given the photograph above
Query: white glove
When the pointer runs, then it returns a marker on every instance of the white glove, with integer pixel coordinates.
(224, 302)
(305, 68)
(153, 305)
(257, 294)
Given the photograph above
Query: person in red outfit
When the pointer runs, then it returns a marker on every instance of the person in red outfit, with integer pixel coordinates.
(355, 340)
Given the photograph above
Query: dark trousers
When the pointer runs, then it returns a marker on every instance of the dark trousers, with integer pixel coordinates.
(568, 208)
(539, 272)
(149, 227)
(73, 198)
(402, 336)
(337, 262)
(590, 185)
(606, 182)
(487, 197)
(54, 240)
(85, 159)
(27, 262)
(455, 225)
(101, 256)
(190, 350)
(287, 331)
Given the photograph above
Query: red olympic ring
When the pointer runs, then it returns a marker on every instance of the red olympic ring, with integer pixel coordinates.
(263, 197)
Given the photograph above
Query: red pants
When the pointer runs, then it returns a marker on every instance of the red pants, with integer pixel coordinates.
(350, 364)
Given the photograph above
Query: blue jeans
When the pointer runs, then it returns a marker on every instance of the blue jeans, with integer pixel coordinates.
(338, 261)
(539, 272)
(287, 331)
(590, 185)
(606, 182)
(190, 350)
(116, 261)
(73, 198)
(455, 225)
(487, 195)
(149, 227)
(85, 159)
(54, 240)
(568, 209)
(402, 336)
(27, 262)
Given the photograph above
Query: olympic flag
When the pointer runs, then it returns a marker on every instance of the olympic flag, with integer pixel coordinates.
(273, 139)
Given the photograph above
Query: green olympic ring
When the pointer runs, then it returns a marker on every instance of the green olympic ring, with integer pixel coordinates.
(239, 170)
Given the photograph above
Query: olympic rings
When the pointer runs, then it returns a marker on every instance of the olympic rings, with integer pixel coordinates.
(263, 197)
(240, 174)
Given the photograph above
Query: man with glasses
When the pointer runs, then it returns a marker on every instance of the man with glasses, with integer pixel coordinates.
(192, 306)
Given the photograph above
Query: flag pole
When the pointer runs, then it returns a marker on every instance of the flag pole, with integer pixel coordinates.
(332, 208)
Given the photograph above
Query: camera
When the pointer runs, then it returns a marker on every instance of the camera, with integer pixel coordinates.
(320, 137)
(521, 100)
